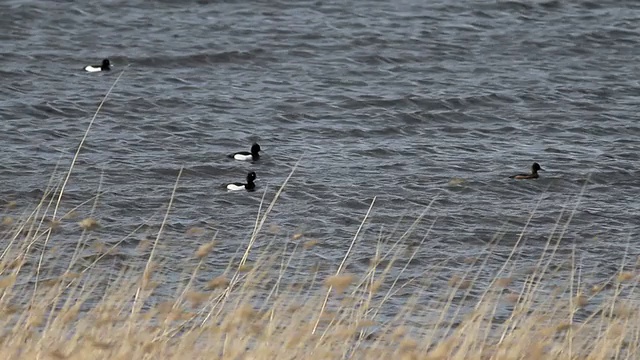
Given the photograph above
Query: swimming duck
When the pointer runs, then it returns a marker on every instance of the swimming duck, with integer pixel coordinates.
(245, 155)
(249, 186)
(106, 66)
(534, 173)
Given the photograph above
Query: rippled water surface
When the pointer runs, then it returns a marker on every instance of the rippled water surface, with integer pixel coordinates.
(405, 101)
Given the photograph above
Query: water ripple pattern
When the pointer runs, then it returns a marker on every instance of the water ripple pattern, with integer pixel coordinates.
(405, 101)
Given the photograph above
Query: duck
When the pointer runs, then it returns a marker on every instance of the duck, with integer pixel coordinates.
(249, 186)
(106, 66)
(246, 155)
(534, 173)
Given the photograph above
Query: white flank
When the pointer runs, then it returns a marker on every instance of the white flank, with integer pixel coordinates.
(90, 68)
(234, 187)
(242, 157)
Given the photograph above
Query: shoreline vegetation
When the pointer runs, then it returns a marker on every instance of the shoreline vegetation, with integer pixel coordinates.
(62, 304)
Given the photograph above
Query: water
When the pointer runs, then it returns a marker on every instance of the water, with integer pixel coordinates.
(391, 100)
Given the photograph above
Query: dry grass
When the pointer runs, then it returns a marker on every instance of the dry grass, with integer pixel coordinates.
(266, 304)
(67, 299)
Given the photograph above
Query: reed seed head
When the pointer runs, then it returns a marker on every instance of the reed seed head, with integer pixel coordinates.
(597, 288)
(274, 229)
(625, 276)
(441, 351)
(71, 314)
(7, 281)
(456, 182)
(408, 344)
(72, 275)
(70, 215)
(218, 282)
(101, 345)
(504, 282)
(581, 300)
(89, 224)
(310, 243)
(470, 260)
(54, 224)
(339, 282)
(58, 354)
(16, 263)
(194, 231)
(245, 267)
(197, 298)
(375, 287)
(512, 297)
(143, 245)
(7, 221)
(204, 250)
(563, 326)
(459, 282)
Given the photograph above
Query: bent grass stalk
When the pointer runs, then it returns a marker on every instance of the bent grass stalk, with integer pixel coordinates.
(344, 260)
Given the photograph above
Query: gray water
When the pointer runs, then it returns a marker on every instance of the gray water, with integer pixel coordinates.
(383, 99)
